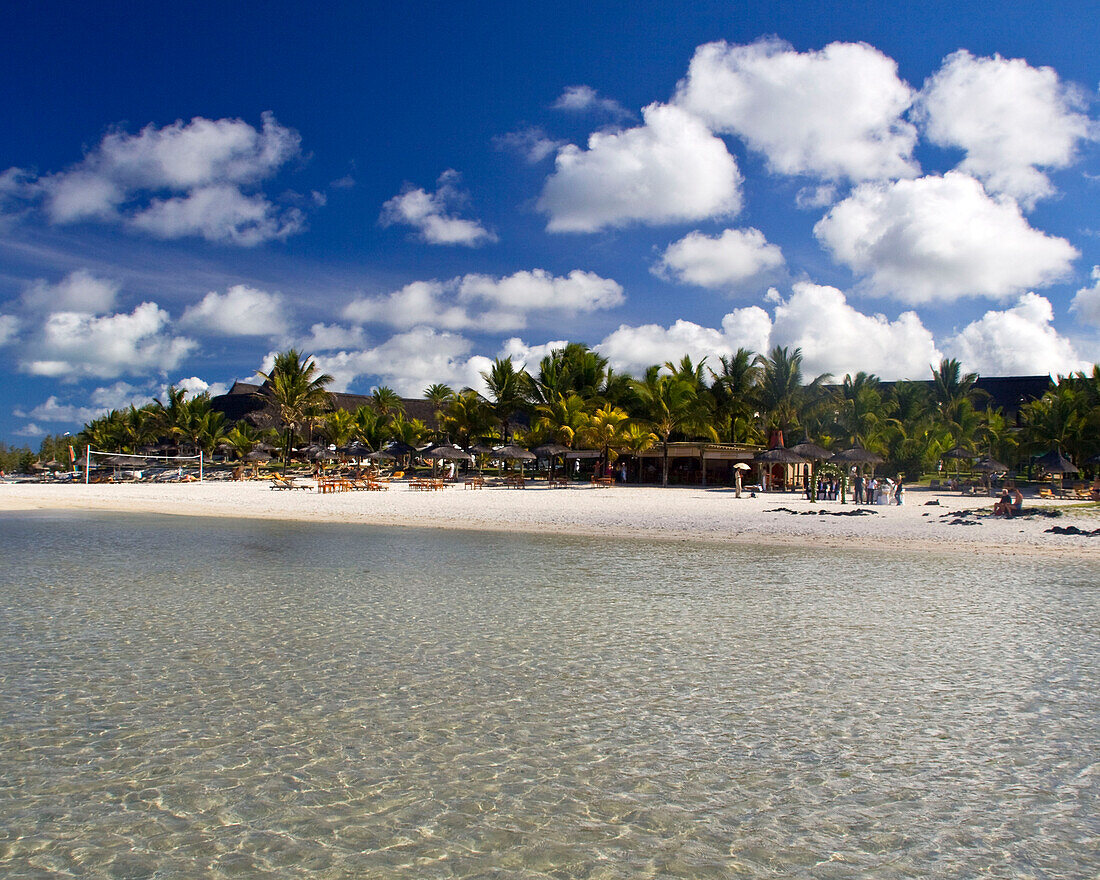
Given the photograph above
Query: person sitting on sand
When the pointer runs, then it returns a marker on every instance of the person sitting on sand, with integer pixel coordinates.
(1017, 503)
(1004, 506)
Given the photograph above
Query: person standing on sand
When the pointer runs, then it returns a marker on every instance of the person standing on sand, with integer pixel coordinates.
(899, 492)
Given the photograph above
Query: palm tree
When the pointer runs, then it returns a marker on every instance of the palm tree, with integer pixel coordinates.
(672, 406)
(293, 386)
(340, 426)
(860, 412)
(606, 429)
(439, 395)
(386, 401)
(561, 418)
(506, 393)
(780, 392)
(952, 390)
(733, 390)
(467, 418)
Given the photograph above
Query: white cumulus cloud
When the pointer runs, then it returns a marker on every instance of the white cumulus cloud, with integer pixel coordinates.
(834, 113)
(1010, 118)
(941, 238)
(728, 261)
(204, 164)
(409, 362)
(837, 338)
(1020, 341)
(486, 302)
(220, 214)
(79, 291)
(74, 345)
(429, 214)
(240, 311)
(1086, 302)
(670, 169)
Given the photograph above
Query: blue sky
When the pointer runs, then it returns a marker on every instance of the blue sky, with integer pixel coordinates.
(408, 191)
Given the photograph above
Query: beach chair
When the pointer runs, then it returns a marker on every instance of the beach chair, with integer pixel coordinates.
(1045, 492)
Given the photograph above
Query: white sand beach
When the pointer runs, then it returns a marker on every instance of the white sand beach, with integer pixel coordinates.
(921, 524)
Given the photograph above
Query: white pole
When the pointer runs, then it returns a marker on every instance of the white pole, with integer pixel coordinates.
(87, 462)
(200, 465)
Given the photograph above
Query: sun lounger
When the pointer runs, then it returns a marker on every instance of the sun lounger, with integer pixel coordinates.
(280, 482)
(474, 482)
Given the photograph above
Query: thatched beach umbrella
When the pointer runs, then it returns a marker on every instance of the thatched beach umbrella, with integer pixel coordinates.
(779, 455)
(515, 453)
(550, 451)
(990, 466)
(446, 452)
(1056, 463)
(814, 453)
(857, 455)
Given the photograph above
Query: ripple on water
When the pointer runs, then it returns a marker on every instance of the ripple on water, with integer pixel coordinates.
(191, 698)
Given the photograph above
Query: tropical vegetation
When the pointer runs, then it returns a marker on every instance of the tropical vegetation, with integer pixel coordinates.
(575, 400)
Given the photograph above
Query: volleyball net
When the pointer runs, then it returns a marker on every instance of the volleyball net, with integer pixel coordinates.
(135, 466)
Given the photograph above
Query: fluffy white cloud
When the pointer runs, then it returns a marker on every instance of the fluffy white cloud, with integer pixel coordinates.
(532, 143)
(523, 355)
(727, 261)
(670, 169)
(526, 291)
(835, 113)
(1009, 117)
(240, 311)
(585, 99)
(194, 386)
(633, 349)
(485, 302)
(327, 337)
(53, 410)
(74, 344)
(941, 238)
(1016, 342)
(409, 362)
(204, 163)
(836, 338)
(220, 214)
(428, 213)
(1086, 302)
(78, 291)
(30, 430)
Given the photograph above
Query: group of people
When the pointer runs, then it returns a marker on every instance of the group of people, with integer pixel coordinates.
(864, 491)
(1011, 503)
(875, 491)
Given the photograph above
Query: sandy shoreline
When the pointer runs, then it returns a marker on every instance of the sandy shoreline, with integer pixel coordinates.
(623, 511)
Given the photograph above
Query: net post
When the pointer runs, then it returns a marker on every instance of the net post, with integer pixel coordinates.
(200, 465)
(87, 462)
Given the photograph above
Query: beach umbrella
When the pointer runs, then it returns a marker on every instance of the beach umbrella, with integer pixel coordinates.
(959, 452)
(990, 466)
(1056, 463)
(515, 453)
(779, 455)
(257, 455)
(379, 455)
(399, 448)
(355, 449)
(741, 466)
(857, 455)
(447, 452)
(550, 451)
(812, 451)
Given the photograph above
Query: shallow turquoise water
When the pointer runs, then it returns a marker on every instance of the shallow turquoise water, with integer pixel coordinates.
(187, 697)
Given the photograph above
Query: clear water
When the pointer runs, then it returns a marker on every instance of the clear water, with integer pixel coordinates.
(206, 698)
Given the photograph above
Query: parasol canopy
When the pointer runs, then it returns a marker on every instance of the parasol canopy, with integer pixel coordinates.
(447, 452)
(548, 450)
(1056, 463)
(990, 466)
(779, 455)
(959, 452)
(811, 450)
(857, 455)
(514, 453)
